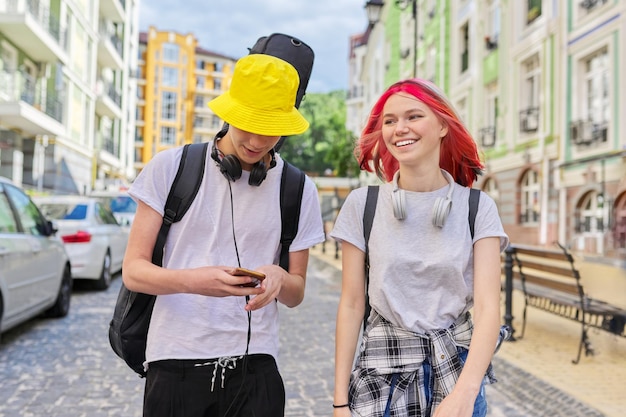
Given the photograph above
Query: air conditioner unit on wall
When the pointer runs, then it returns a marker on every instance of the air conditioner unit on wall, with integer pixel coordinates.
(581, 132)
(590, 4)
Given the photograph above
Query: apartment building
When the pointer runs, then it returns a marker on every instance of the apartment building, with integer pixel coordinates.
(66, 94)
(177, 79)
(540, 85)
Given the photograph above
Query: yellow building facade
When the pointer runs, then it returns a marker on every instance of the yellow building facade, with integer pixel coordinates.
(177, 79)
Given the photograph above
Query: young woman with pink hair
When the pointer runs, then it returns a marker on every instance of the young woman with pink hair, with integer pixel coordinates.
(421, 353)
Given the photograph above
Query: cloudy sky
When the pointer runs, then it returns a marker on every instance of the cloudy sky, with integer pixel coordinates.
(230, 27)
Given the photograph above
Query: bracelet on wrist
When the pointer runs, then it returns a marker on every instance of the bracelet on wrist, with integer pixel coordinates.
(341, 405)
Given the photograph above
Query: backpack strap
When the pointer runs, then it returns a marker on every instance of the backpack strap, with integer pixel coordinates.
(291, 190)
(182, 193)
(368, 220)
(474, 198)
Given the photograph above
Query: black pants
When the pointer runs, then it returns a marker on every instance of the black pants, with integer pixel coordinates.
(251, 387)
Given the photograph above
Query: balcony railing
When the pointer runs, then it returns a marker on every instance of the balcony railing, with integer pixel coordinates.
(529, 119)
(488, 136)
(109, 35)
(529, 216)
(113, 94)
(20, 86)
(109, 145)
(41, 14)
(584, 225)
(355, 92)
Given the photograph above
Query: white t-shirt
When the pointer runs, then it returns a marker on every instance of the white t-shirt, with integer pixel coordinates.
(187, 326)
(421, 276)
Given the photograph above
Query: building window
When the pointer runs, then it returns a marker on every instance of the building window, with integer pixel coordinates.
(533, 10)
(431, 63)
(491, 188)
(493, 26)
(216, 122)
(171, 52)
(592, 113)
(596, 94)
(168, 105)
(168, 135)
(529, 94)
(592, 213)
(170, 77)
(529, 189)
(461, 109)
(464, 47)
(217, 84)
(488, 132)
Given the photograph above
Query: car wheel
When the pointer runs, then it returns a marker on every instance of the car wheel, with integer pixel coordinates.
(105, 276)
(62, 305)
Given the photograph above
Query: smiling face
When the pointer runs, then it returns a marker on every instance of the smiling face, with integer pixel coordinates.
(411, 131)
(248, 147)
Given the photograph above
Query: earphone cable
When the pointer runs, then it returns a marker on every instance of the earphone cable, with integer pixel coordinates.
(244, 369)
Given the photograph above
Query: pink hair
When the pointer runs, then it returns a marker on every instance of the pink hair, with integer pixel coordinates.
(459, 153)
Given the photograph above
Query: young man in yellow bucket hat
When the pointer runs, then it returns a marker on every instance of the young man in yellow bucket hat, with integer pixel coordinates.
(213, 339)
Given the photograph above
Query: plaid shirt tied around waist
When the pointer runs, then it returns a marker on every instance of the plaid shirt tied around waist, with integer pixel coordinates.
(391, 360)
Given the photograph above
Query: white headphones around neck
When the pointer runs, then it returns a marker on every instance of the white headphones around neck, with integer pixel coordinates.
(442, 206)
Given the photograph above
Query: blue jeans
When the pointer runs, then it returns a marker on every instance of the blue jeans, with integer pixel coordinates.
(480, 405)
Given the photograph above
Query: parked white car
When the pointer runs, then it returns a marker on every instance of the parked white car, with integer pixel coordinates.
(94, 240)
(121, 204)
(35, 274)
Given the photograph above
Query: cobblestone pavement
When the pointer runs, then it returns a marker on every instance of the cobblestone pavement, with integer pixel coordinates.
(66, 368)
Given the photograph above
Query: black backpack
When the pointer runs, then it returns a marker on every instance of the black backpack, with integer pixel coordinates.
(128, 329)
(292, 50)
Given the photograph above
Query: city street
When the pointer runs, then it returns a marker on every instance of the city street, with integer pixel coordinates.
(66, 368)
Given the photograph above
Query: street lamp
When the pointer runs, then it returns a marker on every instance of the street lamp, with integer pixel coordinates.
(374, 7)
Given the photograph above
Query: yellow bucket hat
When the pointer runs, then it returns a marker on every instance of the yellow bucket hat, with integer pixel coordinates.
(261, 98)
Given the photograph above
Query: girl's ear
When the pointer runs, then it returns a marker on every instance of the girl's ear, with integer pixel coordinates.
(444, 130)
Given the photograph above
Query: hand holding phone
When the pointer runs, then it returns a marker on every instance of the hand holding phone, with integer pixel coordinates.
(259, 276)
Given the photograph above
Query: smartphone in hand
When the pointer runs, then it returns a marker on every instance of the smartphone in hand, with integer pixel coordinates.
(259, 276)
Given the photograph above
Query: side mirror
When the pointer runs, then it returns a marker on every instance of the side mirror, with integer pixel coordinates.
(52, 230)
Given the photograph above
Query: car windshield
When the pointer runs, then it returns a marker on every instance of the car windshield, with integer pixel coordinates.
(121, 204)
(64, 211)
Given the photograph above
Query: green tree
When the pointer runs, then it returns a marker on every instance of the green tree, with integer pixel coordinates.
(326, 146)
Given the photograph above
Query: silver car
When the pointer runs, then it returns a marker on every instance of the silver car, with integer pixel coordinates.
(35, 273)
(94, 240)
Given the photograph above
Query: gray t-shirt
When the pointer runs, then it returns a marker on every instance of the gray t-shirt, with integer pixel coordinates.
(421, 276)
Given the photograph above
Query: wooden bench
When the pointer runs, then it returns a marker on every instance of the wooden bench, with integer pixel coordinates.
(550, 281)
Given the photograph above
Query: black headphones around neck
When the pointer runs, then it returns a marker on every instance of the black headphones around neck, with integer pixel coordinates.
(230, 166)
